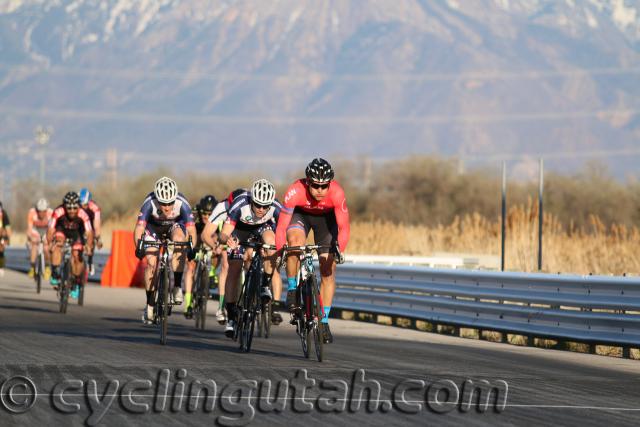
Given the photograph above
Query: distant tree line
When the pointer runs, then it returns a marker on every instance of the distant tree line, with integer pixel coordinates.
(417, 190)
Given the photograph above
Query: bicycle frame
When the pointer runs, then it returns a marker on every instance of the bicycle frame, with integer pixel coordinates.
(162, 281)
(65, 276)
(308, 315)
(249, 301)
(201, 288)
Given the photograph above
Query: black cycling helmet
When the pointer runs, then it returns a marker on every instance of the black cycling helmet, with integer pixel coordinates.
(319, 170)
(71, 199)
(207, 203)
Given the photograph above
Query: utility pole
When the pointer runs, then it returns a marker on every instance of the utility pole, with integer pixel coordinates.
(112, 167)
(540, 213)
(504, 213)
(42, 138)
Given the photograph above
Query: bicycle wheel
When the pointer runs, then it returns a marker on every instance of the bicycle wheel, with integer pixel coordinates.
(39, 273)
(301, 327)
(65, 284)
(203, 296)
(316, 317)
(164, 306)
(266, 316)
(196, 295)
(249, 311)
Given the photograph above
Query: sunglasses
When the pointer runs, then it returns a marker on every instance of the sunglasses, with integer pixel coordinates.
(257, 206)
(166, 204)
(71, 208)
(318, 186)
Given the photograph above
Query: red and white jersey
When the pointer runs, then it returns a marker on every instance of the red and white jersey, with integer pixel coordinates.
(298, 196)
(33, 220)
(59, 219)
(93, 210)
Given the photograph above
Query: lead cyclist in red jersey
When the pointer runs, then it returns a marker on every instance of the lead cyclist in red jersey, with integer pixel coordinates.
(316, 203)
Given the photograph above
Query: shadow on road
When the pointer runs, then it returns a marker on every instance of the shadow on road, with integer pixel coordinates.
(41, 301)
(146, 339)
(22, 308)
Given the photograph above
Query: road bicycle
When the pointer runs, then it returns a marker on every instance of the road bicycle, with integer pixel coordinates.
(201, 287)
(40, 265)
(250, 306)
(308, 312)
(66, 277)
(163, 280)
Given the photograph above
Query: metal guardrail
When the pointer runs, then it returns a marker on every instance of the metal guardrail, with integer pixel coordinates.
(591, 309)
(18, 259)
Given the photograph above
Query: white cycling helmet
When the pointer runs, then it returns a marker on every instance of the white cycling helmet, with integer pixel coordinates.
(42, 205)
(166, 190)
(262, 192)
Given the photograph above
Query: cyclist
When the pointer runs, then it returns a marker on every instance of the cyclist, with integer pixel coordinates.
(69, 221)
(210, 236)
(202, 212)
(37, 223)
(250, 216)
(93, 210)
(316, 203)
(5, 236)
(165, 214)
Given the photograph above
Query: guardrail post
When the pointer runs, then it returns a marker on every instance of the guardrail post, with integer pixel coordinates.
(626, 352)
(504, 338)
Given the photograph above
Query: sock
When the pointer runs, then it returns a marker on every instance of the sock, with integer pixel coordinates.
(221, 300)
(33, 265)
(150, 298)
(187, 300)
(293, 283)
(276, 305)
(325, 318)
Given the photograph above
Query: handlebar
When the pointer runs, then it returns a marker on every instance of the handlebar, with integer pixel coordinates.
(306, 248)
(155, 244)
(257, 245)
(311, 248)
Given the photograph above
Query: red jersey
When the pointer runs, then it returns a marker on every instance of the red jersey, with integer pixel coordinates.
(298, 196)
(60, 216)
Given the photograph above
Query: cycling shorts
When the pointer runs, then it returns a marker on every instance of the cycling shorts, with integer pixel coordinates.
(324, 226)
(156, 233)
(245, 232)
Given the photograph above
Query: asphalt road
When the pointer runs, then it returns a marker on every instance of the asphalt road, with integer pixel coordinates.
(98, 365)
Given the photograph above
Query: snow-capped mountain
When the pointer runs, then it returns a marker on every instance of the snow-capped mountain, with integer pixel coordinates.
(274, 78)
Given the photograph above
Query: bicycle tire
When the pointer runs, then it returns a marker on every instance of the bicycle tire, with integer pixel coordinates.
(65, 289)
(196, 294)
(267, 310)
(164, 303)
(203, 298)
(251, 307)
(316, 314)
(39, 273)
(301, 327)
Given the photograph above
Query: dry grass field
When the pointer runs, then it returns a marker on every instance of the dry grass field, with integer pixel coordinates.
(596, 249)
